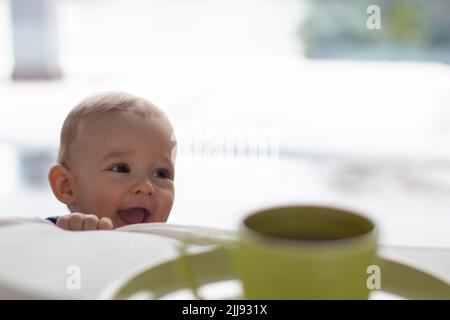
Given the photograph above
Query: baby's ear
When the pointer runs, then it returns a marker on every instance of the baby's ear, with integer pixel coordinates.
(61, 181)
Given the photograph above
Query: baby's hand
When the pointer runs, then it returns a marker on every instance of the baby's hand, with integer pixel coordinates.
(79, 222)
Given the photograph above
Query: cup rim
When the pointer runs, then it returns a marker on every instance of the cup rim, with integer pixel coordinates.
(276, 241)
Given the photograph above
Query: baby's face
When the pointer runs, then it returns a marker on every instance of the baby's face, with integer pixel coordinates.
(123, 169)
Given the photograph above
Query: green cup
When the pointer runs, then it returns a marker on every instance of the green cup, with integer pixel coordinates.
(292, 252)
(306, 252)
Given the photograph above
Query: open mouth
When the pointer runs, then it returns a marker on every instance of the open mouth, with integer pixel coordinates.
(134, 215)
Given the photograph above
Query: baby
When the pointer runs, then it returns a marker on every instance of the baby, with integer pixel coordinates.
(115, 163)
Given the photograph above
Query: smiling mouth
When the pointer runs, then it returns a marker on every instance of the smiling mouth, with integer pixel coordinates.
(134, 215)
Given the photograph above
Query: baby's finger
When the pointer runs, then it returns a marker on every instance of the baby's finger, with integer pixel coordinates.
(105, 224)
(90, 222)
(63, 222)
(76, 221)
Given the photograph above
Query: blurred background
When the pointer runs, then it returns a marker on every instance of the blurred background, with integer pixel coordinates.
(273, 102)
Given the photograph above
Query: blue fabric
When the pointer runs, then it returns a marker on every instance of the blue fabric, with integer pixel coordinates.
(52, 219)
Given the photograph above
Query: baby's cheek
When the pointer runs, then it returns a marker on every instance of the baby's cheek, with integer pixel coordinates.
(104, 208)
(165, 205)
(170, 196)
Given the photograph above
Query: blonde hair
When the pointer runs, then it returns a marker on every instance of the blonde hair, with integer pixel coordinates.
(97, 104)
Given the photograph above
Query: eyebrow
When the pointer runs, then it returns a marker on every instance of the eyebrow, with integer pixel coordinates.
(167, 159)
(118, 153)
(115, 154)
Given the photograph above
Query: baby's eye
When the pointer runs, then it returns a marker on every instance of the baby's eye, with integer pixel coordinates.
(161, 173)
(120, 168)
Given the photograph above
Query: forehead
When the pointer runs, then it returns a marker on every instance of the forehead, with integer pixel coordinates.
(106, 133)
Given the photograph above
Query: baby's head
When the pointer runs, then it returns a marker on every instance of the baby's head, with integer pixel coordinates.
(116, 160)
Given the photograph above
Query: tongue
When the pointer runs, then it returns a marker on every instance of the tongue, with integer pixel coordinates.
(133, 215)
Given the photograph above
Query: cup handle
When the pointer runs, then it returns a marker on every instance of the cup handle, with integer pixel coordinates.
(396, 278)
(187, 271)
(409, 282)
(213, 265)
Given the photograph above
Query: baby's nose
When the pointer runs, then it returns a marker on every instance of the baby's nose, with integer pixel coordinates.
(145, 186)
